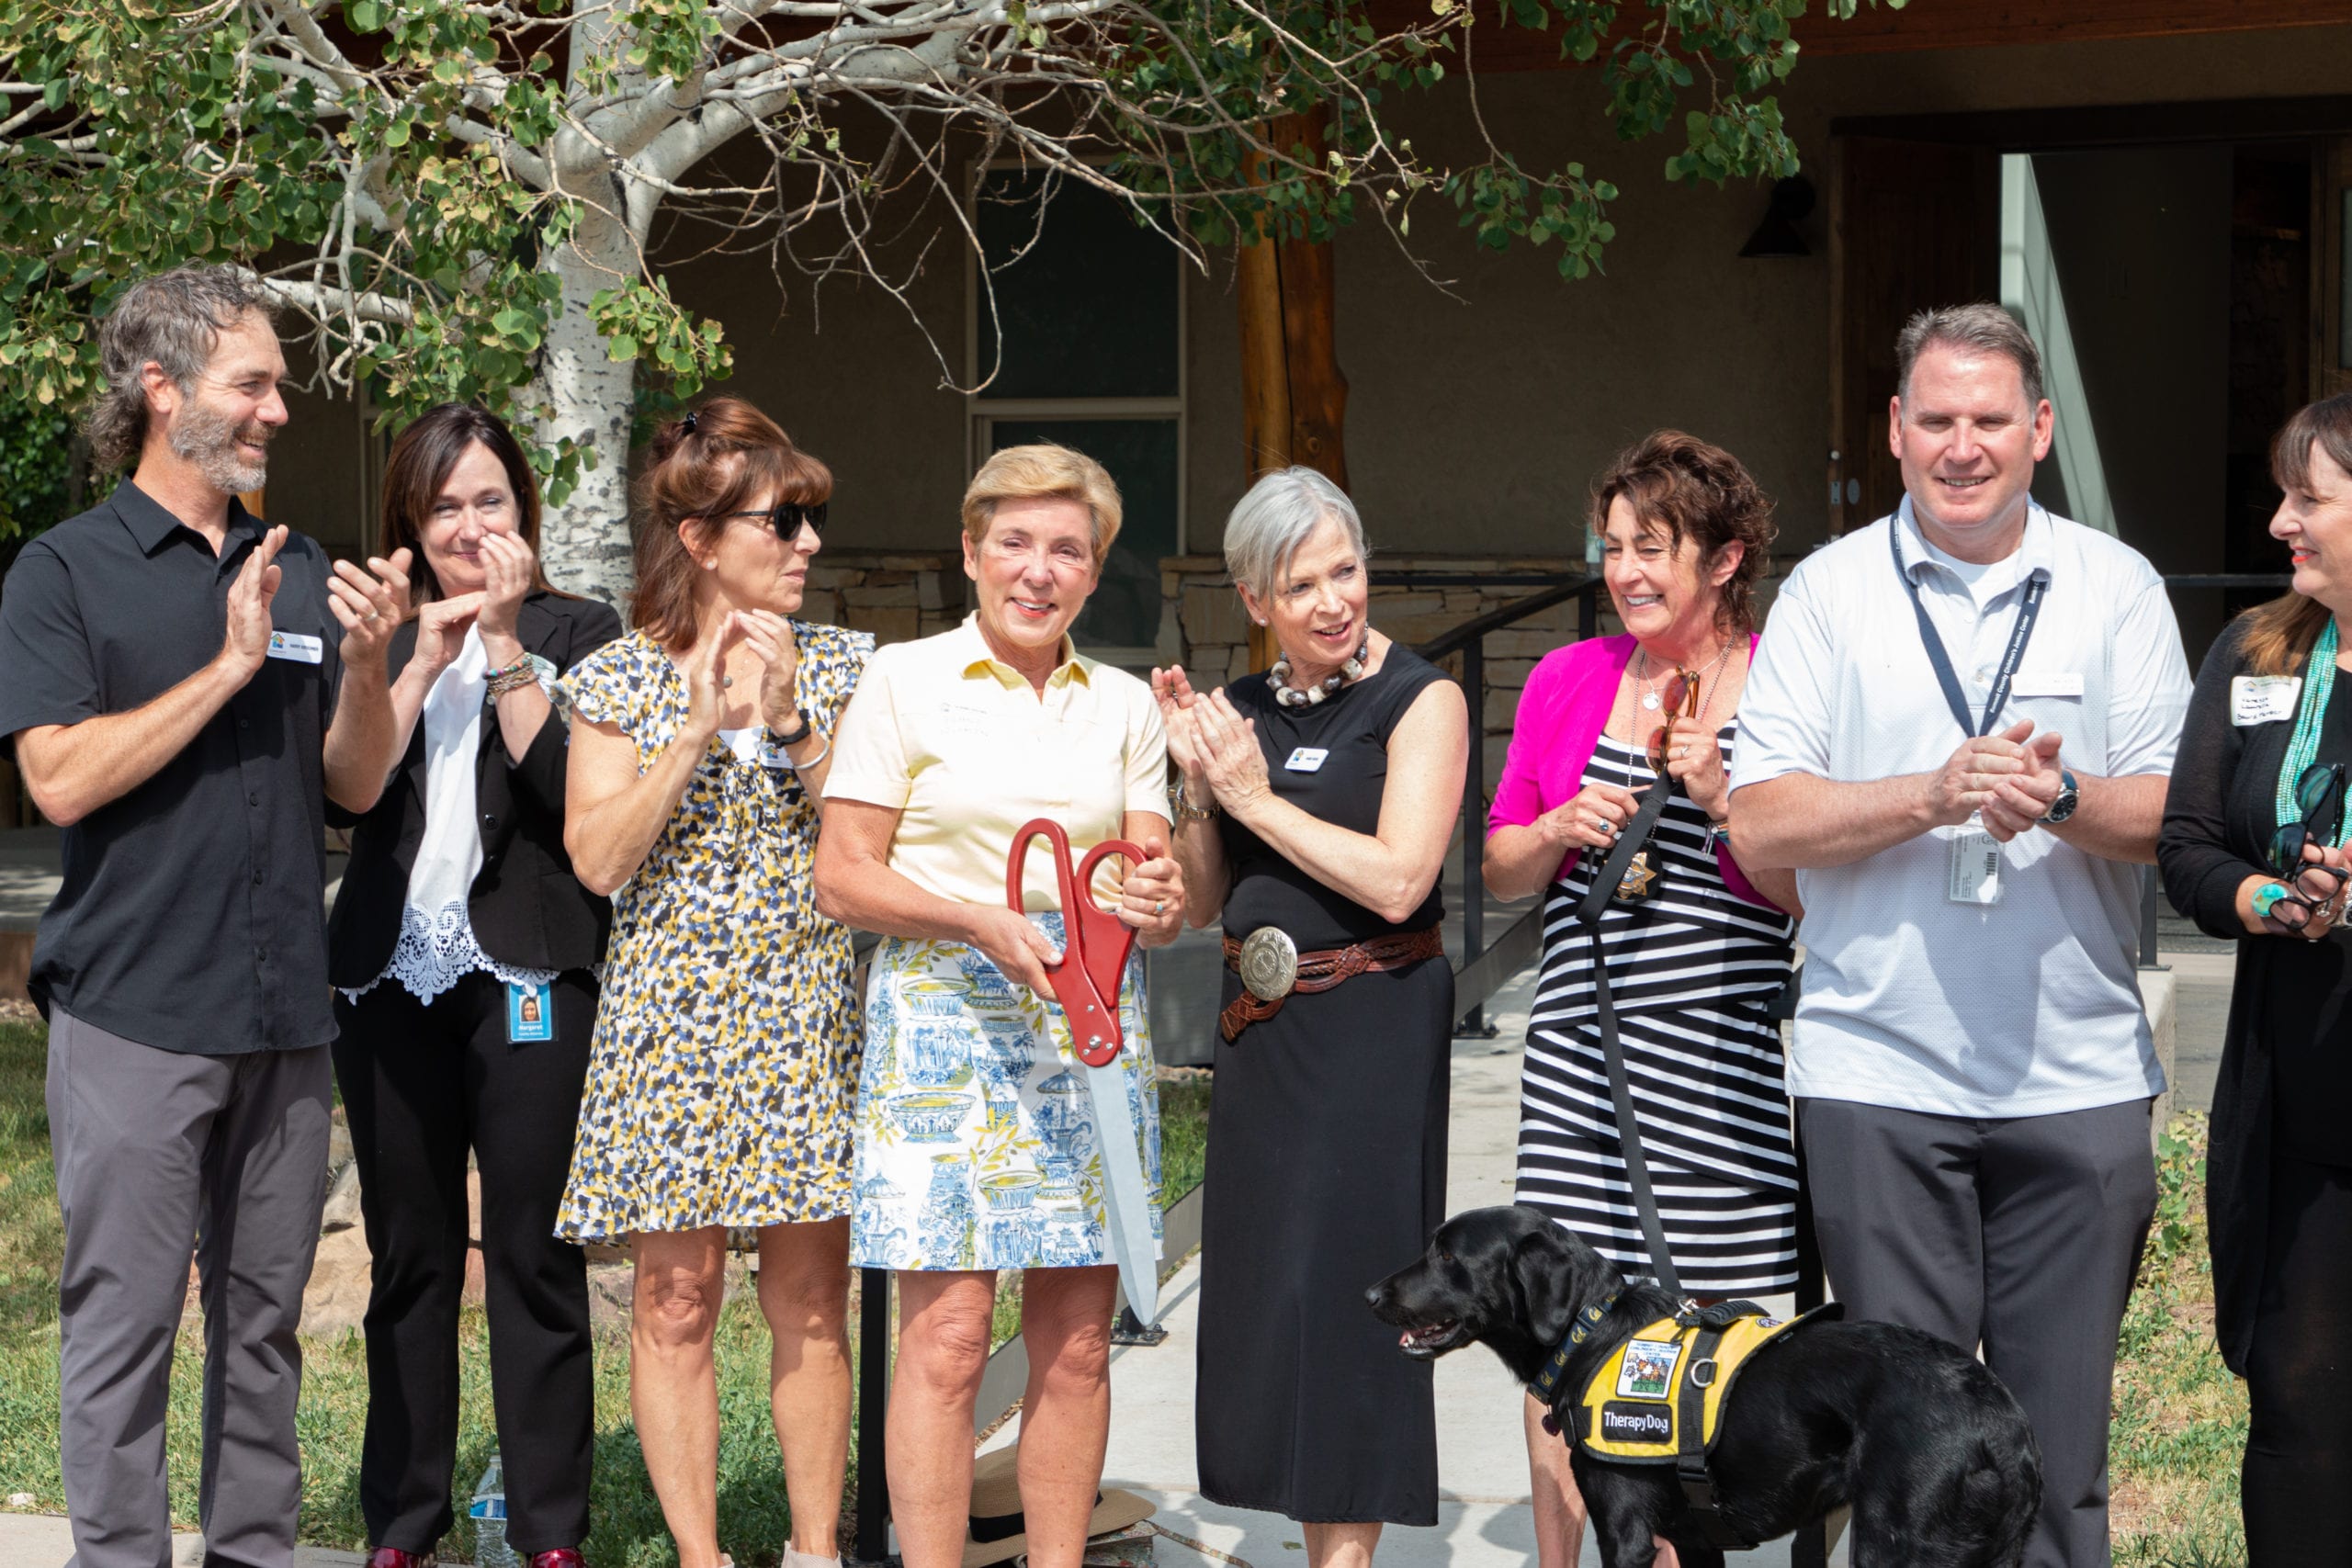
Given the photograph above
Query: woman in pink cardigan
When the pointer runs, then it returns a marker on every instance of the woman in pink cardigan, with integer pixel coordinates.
(1695, 950)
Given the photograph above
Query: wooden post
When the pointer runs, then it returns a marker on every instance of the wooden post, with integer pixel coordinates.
(1318, 392)
(1294, 398)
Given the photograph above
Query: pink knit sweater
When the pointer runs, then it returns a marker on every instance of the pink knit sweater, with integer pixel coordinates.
(1561, 712)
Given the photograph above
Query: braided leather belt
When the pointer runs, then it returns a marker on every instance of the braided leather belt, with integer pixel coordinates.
(1321, 971)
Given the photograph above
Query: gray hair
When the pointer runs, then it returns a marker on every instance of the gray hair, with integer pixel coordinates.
(1268, 524)
(1982, 329)
(172, 319)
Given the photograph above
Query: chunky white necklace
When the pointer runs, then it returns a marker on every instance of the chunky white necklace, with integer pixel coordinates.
(1291, 696)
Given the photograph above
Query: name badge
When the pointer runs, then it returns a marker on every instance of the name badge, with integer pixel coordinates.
(772, 756)
(295, 646)
(1975, 872)
(530, 1013)
(1307, 759)
(2046, 683)
(2264, 699)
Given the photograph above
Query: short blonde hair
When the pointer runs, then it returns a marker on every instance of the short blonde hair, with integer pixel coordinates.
(1044, 470)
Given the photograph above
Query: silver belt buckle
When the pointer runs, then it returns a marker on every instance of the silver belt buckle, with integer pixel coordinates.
(1269, 963)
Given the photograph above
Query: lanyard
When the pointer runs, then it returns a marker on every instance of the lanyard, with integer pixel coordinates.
(2020, 632)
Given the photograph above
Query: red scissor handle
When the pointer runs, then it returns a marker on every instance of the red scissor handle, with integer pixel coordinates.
(1093, 936)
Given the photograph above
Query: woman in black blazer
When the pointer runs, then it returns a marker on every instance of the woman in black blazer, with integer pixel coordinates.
(463, 944)
(2252, 850)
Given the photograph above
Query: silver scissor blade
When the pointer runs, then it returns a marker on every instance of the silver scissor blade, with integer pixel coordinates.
(1127, 1197)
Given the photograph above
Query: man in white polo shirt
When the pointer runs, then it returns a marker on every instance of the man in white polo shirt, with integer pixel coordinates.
(1959, 730)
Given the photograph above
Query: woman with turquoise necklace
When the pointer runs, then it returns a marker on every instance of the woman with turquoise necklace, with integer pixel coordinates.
(2253, 848)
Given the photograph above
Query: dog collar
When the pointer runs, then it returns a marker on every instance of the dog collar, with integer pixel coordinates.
(1547, 1382)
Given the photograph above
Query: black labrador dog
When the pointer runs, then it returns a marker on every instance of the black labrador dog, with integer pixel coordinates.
(1929, 1451)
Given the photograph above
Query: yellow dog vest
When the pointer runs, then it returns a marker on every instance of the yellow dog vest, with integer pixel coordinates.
(1635, 1405)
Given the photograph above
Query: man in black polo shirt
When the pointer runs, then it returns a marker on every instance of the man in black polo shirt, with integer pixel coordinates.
(184, 688)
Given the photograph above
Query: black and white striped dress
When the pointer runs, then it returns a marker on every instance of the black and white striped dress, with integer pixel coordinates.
(1690, 969)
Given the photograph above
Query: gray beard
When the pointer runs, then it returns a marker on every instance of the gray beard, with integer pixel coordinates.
(208, 440)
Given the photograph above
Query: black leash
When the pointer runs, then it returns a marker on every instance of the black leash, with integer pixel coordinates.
(1612, 1050)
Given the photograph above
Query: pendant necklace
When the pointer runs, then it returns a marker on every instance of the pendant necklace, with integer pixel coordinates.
(1291, 696)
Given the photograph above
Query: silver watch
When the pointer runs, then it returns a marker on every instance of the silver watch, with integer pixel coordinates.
(2068, 798)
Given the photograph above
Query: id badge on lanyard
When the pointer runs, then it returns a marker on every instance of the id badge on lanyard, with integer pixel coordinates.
(530, 1012)
(1974, 874)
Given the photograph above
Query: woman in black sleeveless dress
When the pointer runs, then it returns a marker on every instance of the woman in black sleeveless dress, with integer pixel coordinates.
(1316, 802)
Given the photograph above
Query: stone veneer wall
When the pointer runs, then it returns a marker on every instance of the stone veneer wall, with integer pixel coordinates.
(896, 597)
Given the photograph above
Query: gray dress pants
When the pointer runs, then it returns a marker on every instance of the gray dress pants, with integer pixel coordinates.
(158, 1152)
(2020, 1235)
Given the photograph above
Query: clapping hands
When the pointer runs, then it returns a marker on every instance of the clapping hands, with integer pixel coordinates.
(1212, 745)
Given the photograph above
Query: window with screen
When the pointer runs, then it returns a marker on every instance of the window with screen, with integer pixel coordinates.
(1086, 341)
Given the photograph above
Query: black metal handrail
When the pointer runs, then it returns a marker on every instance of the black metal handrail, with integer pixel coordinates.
(1483, 970)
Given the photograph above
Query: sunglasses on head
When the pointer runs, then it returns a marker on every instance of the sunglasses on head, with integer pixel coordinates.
(787, 517)
(2319, 795)
(1679, 699)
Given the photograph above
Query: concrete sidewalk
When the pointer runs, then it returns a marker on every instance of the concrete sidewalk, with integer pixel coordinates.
(46, 1541)
(1484, 1517)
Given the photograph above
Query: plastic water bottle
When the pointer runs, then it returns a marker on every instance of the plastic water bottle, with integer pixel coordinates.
(489, 1515)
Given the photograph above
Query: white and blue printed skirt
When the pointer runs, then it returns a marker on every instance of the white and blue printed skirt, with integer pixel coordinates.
(976, 1143)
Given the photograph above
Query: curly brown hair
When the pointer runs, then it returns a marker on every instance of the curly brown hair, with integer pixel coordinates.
(1690, 489)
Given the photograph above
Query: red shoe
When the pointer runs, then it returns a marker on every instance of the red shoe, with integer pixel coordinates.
(393, 1557)
(559, 1557)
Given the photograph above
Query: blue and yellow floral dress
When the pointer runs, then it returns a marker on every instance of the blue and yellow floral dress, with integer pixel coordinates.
(726, 1052)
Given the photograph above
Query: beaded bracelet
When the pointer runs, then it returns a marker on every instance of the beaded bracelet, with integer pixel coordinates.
(513, 677)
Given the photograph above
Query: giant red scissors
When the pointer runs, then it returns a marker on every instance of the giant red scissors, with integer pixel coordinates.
(1095, 945)
(1095, 941)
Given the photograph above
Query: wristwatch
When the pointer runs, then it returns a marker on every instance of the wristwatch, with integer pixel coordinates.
(1184, 808)
(2068, 798)
(796, 734)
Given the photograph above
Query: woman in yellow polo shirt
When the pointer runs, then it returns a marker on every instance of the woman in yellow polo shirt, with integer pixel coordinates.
(975, 1136)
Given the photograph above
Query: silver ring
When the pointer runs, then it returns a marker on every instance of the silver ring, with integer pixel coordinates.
(1160, 907)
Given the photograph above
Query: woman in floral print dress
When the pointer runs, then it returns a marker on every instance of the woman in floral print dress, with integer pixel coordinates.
(726, 1051)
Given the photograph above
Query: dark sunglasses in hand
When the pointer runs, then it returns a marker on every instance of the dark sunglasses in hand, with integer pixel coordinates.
(786, 518)
(2319, 795)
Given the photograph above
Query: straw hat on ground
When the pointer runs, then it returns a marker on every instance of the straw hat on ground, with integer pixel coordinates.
(996, 1534)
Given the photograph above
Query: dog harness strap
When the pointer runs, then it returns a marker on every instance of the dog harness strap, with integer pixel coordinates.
(1612, 1050)
(1691, 1428)
(1658, 1397)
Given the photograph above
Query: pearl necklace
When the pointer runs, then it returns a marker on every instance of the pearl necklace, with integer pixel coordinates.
(1291, 696)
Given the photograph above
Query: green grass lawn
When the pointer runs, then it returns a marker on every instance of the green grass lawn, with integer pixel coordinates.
(752, 1519)
(2180, 1417)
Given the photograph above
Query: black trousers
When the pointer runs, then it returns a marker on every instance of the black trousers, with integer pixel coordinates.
(422, 1084)
(2298, 1453)
(2019, 1235)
